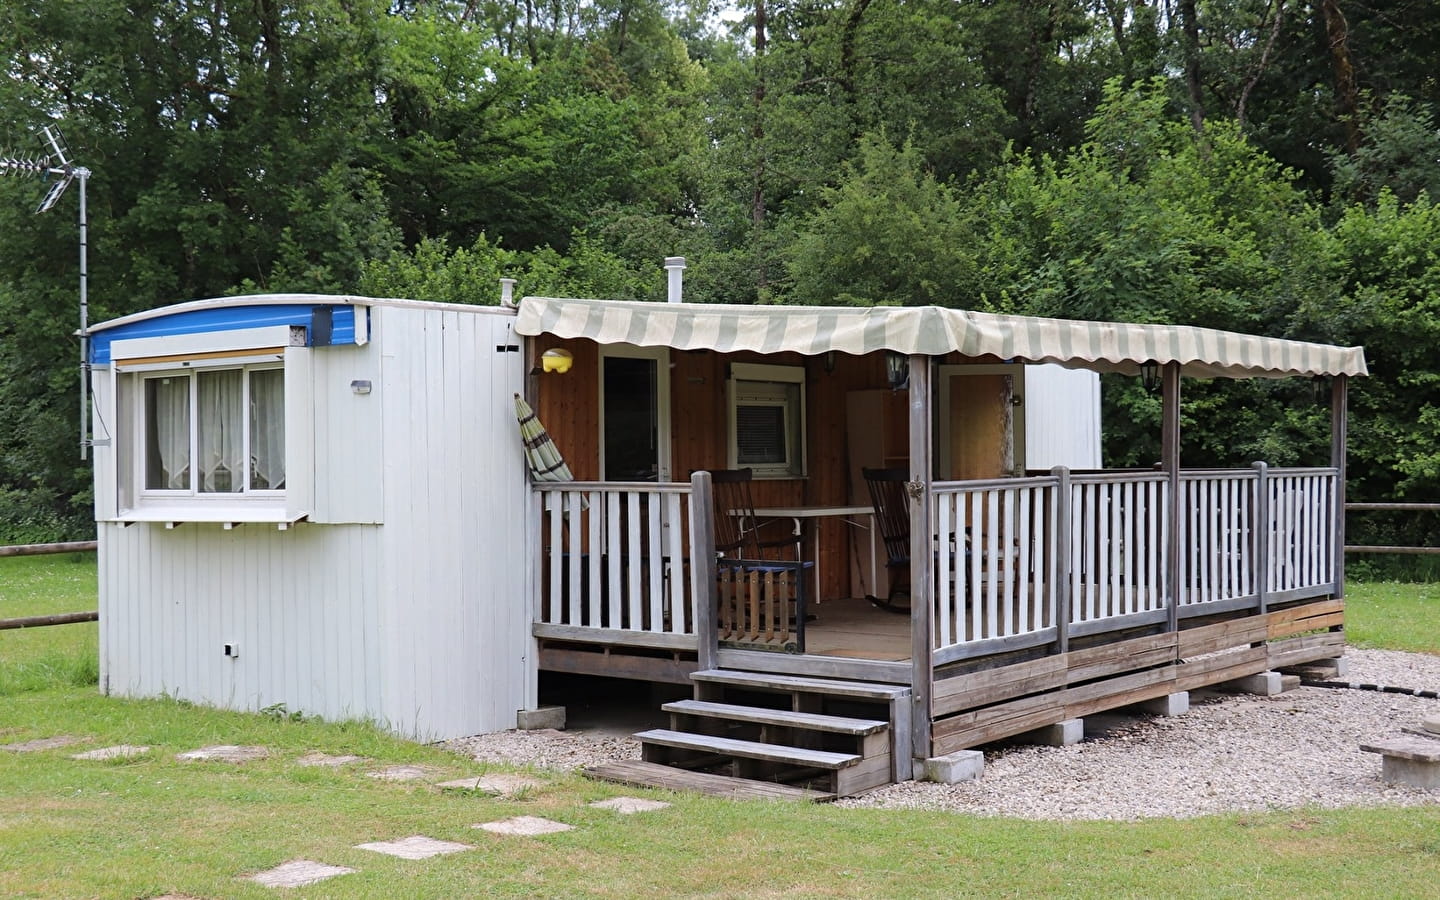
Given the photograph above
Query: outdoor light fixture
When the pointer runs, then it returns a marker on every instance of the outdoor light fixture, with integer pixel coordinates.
(828, 361)
(1150, 375)
(1320, 386)
(557, 360)
(56, 163)
(897, 369)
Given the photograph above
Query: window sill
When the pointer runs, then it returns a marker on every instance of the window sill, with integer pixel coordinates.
(225, 513)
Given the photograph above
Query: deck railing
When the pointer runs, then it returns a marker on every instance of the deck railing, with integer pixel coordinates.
(1016, 558)
(1300, 552)
(996, 564)
(613, 563)
(1217, 544)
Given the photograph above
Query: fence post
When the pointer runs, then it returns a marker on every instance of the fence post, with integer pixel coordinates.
(702, 563)
(1063, 537)
(1170, 451)
(1260, 535)
(1339, 421)
(922, 559)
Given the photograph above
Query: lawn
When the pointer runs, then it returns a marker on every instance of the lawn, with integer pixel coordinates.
(154, 824)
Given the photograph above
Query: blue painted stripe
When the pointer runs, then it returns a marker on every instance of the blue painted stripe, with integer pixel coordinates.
(229, 318)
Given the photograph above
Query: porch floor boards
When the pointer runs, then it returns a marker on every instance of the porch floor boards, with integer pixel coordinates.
(855, 628)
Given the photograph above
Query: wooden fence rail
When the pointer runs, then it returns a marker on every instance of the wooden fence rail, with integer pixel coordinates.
(1376, 548)
(43, 549)
(57, 619)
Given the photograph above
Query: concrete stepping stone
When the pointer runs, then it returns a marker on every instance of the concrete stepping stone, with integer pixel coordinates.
(416, 846)
(225, 753)
(50, 743)
(525, 825)
(498, 783)
(628, 806)
(403, 773)
(298, 873)
(119, 751)
(324, 759)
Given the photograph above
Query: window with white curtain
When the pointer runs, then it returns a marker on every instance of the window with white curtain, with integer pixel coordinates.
(214, 431)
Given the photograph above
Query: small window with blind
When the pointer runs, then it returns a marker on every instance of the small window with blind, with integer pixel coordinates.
(767, 419)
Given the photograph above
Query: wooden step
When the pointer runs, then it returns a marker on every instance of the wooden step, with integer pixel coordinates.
(704, 743)
(781, 717)
(655, 775)
(766, 681)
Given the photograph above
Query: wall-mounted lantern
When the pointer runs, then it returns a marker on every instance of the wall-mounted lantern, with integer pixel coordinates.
(1150, 375)
(897, 370)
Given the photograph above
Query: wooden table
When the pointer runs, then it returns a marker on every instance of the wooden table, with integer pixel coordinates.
(798, 515)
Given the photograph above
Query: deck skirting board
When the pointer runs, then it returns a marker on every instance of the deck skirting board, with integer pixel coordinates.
(978, 707)
(617, 665)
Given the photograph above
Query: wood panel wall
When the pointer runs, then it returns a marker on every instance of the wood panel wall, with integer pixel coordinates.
(568, 405)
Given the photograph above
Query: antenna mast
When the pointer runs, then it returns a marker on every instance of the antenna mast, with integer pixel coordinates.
(56, 162)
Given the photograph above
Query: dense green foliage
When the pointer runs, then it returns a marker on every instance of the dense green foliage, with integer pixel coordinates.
(1255, 165)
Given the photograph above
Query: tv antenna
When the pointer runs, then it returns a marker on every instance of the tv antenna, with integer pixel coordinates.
(55, 163)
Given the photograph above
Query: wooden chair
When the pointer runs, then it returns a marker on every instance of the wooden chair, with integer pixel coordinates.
(761, 581)
(892, 518)
(737, 530)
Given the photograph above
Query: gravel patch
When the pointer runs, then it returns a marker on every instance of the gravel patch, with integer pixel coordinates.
(1230, 753)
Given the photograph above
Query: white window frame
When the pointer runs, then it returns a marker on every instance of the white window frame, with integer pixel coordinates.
(137, 361)
(753, 384)
(192, 377)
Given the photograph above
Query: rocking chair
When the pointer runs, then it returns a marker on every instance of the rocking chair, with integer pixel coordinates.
(892, 518)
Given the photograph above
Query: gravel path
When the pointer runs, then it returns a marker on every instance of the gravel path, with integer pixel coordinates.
(1229, 753)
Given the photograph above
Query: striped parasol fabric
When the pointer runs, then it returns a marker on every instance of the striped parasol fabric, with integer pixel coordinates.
(546, 463)
(932, 331)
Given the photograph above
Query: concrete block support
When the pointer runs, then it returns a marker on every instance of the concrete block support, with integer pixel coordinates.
(540, 717)
(1177, 704)
(1341, 665)
(1266, 684)
(1415, 773)
(962, 765)
(1061, 734)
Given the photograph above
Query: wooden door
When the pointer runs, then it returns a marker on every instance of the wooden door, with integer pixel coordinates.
(978, 427)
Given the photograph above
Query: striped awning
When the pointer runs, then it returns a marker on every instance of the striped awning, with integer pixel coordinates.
(934, 331)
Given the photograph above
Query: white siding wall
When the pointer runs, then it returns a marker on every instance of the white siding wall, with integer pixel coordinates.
(349, 462)
(455, 618)
(1062, 418)
(421, 622)
(301, 605)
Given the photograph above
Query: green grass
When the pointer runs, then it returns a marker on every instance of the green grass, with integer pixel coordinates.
(35, 658)
(152, 825)
(1393, 616)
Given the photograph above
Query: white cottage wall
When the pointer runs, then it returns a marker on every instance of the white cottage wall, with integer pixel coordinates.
(401, 599)
(1062, 418)
(297, 607)
(455, 618)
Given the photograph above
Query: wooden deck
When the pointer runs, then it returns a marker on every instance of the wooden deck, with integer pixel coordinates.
(855, 628)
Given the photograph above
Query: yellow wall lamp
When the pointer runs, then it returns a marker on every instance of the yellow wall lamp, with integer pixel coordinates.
(557, 360)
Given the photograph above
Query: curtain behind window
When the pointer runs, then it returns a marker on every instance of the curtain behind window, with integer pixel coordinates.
(221, 450)
(167, 439)
(267, 430)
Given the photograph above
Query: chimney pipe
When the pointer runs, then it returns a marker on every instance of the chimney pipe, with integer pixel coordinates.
(507, 292)
(674, 269)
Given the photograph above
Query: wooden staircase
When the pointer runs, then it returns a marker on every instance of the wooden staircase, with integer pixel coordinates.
(754, 734)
